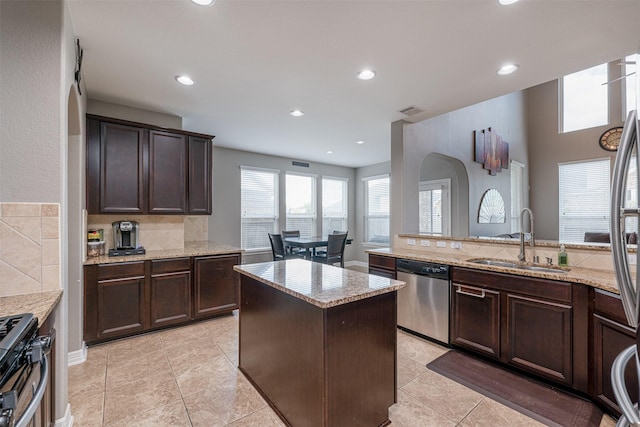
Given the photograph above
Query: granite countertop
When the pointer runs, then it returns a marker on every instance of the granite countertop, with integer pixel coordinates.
(602, 279)
(190, 249)
(319, 284)
(41, 304)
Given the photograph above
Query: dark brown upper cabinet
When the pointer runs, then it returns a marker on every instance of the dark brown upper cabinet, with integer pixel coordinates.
(135, 168)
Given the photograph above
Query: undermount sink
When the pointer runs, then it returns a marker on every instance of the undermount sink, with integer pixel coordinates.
(509, 264)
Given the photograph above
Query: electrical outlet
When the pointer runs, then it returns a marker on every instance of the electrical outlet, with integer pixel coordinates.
(425, 242)
(632, 259)
(456, 245)
(411, 242)
(441, 244)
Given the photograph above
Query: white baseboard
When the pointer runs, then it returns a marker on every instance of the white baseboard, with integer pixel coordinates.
(77, 357)
(67, 420)
(356, 263)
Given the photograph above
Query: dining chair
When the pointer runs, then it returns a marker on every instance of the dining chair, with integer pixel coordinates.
(291, 250)
(335, 250)
(277, 247)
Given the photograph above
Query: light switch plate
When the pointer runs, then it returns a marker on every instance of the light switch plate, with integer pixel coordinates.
(441, 244)
(411, 241)
(632, 259)
(456, 245)
(425, 242)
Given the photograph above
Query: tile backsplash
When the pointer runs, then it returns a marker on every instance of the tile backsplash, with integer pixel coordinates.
(29, 248)
(157, 232)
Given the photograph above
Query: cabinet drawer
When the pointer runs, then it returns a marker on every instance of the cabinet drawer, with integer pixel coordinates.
(381, 272)
(120, 270)
(535, 287)
(160, 266)
(609, 305)
(383, 262)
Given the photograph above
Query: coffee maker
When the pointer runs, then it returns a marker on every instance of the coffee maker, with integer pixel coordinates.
(126, 238)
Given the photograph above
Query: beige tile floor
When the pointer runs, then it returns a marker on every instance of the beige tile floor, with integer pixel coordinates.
(187, 377)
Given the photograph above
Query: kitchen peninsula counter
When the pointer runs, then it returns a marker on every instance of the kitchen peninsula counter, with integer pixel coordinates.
(191, 249)
(600, 278)
(319, 342)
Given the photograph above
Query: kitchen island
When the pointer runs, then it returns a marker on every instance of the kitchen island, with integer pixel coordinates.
(319, 342)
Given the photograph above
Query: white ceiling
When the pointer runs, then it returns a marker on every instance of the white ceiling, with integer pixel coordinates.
(254, 61)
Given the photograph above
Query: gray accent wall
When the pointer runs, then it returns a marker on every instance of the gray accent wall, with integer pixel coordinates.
(548, 147)
(451, 135)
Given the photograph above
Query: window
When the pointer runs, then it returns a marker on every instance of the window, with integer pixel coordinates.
(584, 198)
(334, 205)
(517, 194)
(585, 100)
(301, 204)
(433, 204)
(630, 67)
(376, 221)
(258, 206)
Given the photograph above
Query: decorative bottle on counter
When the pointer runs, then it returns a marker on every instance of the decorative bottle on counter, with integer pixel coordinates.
(562, 256)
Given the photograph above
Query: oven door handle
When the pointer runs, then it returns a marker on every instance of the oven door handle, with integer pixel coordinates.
(42, 343)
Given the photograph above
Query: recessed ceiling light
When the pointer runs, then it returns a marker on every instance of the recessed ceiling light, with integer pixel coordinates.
(366, 74)
(329, 151)
(297, 113)
(185, 80)
(503, 2)
(507, 69)
(204, 2)
(360, 142)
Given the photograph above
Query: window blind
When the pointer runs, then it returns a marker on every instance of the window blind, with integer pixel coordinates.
(258, 206)
(334, 205)
(301, 204)
(585, 197)
(377, 209)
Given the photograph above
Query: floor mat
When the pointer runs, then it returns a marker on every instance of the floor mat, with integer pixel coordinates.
(537, 400)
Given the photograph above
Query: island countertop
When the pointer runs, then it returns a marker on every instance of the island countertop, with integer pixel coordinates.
(319, 284)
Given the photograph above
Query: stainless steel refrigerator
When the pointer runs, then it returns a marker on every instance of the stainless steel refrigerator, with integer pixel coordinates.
(625, 215)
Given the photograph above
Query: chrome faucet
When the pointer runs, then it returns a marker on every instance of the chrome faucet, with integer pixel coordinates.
(522, 255)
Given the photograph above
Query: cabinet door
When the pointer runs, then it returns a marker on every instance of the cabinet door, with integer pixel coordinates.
(167, 173)
(170, 300)
(122, 182)
(475, 319)
(539, 337)
(610, 338)
(199, 194)
(120, 307)
(216, 285)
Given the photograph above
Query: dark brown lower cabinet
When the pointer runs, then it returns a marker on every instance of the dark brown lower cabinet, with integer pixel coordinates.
(611, 336)
(476, 319)
(520, 321)
(216, 285)
(539, 337)
(123, 299)
(170, 299)
(114, 300)
(382, 266)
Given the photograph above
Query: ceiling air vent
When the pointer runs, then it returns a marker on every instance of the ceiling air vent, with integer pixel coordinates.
(301, 164)
(412, 111)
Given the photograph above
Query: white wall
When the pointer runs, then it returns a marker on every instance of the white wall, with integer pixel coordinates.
(451, 134)
(116, 111)
(30, 66)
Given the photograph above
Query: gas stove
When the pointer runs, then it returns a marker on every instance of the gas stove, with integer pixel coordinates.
(21, 351)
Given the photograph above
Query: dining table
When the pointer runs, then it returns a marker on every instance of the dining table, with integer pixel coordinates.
(309, 244)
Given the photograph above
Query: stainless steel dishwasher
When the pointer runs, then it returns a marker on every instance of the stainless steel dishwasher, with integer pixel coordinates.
(423, 305)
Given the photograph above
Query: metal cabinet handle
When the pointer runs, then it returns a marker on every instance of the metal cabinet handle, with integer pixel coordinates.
(460, 291)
